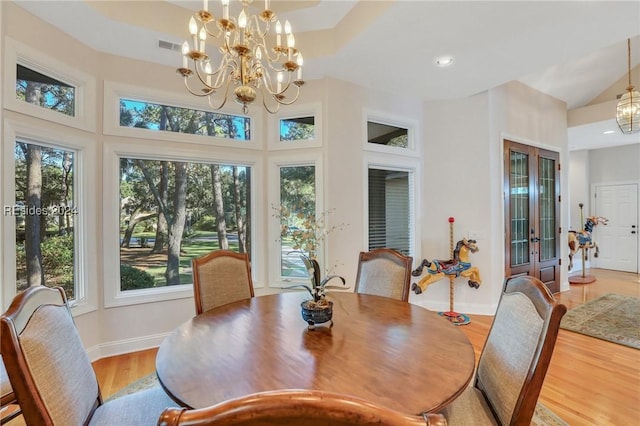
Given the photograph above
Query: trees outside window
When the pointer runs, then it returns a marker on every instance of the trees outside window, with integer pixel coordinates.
(39, 89)
(298, 200)
(147, 115)
(173, 211)
(45, 215)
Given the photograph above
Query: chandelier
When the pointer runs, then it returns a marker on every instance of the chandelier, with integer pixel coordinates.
(242, 59)
(628, 111)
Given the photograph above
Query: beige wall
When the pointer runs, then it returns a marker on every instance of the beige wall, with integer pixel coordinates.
(460, 143)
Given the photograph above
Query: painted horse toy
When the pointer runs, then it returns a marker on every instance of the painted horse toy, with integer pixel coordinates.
(458, 266)
(582, 239)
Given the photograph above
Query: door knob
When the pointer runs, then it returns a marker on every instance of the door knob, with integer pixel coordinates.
(535, 239)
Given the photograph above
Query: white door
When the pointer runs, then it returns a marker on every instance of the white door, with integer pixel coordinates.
(618, 240)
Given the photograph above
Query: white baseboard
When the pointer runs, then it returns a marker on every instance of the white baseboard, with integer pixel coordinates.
(120, 347)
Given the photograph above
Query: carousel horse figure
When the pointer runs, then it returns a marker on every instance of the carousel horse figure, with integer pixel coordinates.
(458, 266)
(582, 239)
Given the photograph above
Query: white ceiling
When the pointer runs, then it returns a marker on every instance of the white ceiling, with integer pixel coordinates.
(571, 50)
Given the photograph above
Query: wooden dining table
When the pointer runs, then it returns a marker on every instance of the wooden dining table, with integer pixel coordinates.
(389, 352)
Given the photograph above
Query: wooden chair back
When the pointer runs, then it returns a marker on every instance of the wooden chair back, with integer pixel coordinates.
(518, 349)
(221, 277)
(50, 372)
(295, 407)
(384, 272)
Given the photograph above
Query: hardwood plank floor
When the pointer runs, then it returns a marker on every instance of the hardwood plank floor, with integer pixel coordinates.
(589, 382)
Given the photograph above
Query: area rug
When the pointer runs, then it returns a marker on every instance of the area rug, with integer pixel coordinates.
(541, 417)
(611, 317)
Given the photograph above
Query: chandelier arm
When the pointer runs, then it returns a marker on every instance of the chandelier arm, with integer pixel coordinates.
(260, 33)
(209, 87)
(211, 33)
(281, 100)
(269, 110)
(224, 99)
(205, 92)
(629, 59)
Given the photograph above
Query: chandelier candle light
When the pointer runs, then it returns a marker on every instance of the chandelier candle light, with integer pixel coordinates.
(242, 58)
(628, 110)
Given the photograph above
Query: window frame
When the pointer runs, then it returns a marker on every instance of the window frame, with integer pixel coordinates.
(85, 86)
(385, 118)
(114, 92)
(84, 249)
(401, 164)
(296, 111)
(117, 148)
(311, 158)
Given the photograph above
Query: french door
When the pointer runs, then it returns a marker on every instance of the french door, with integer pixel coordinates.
(532, 212)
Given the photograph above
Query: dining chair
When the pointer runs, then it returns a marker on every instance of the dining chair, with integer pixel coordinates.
(221, 277)
(384, 272)
(514, 359)
(295, 407)
(50, 371)
(9, 408)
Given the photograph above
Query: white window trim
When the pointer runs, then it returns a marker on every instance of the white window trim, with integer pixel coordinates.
(398, 163)
(412, 126)
(85, 265)
(295, 111)
(275, 163)
(114, 150)
(85, 86)
(113, 92)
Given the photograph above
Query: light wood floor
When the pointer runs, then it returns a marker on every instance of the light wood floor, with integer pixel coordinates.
(589, 382)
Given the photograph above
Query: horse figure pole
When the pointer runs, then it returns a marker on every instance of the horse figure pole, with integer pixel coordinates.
(576, 244)
(457, 265)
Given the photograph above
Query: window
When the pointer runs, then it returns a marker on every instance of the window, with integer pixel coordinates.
(45, 217)
(174, 211)
(152, 116)
(387, 135)
(39, 89)
(390, 209)
(297, 213)
(296, 129)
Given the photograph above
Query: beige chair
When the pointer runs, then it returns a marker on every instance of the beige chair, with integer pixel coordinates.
(9, 408)
(295, 407)
(50, 371)
(384, 272)
(514, 359)
(221, 277)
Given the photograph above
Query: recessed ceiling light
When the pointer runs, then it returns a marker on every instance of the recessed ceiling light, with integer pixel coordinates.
(608, 132)
(444, 61)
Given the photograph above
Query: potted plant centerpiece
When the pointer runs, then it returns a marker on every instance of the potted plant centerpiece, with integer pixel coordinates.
(305, 238)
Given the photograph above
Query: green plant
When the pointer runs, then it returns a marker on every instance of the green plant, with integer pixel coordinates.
(206, 223)
(317, 287)
(134, 279)
(305, 231)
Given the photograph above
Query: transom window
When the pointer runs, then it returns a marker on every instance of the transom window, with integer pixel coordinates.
(388, 135)
(147, 115)
(47, 92)
(295, 129)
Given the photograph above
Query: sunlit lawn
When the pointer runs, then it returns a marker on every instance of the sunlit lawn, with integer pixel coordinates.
(191, 248)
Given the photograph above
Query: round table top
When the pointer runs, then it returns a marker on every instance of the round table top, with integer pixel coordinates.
(389, 352)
